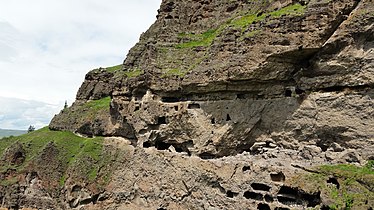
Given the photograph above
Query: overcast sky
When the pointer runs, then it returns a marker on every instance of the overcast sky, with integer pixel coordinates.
(47, 46)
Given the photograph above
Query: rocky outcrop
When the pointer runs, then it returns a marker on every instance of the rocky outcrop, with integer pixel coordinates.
(236, 104)
(263, 71)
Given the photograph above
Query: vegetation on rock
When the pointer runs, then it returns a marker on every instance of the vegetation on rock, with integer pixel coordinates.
(206, 38)
(134, 72)
(85, 156)
(343, 185)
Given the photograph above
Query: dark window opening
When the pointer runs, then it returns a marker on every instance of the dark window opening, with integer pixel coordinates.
(147, 144)
(286, 200)
(143, 131)
(269, 198)
(206, 156)
(334, 181)
(137, 108)
(161, 208)
(161, 120)
(299, 91)
(162, 145)
(287, 190)
(193, 106)
(213, 120)
(260, 186)
(278, 177)
(325, 208)
(228, 118)
(281, 208)
(179, 147)
(231, 194)
(168, 17)
(323, 144)
(176, 108)
(240, 96)
(246, 168)
(263, 206)
(288, 93)
(253, 195)
(260, 96)
(288, 195)
(170, 100)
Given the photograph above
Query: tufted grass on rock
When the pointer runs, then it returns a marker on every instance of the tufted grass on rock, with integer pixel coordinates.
(96, 105)
(114, 68)
(134, 73)
(175, 72)
(206, 38)
(356, 188)
(291, 10)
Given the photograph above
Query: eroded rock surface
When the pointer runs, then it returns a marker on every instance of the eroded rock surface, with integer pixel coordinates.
(234, 105)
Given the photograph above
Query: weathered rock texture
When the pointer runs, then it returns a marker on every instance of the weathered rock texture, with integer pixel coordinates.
(227, 103)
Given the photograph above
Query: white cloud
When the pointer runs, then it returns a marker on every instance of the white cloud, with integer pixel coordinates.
(19, 114)
(47, 46)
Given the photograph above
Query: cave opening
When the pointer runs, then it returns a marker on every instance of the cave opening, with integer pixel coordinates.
(288, 93)
(231, 194)
(263, 206)
(228, 118)
(253, 195)
(193, 106)
(206, 156)
(260, 187)
(246, 168)
(277, 177)
(170, 99)
(269, 198)
(334, 181)
(161, 120)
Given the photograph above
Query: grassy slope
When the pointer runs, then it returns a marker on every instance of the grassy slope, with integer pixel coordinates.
(85, 156)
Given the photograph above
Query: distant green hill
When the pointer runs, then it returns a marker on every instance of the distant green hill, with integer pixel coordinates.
(6, 132)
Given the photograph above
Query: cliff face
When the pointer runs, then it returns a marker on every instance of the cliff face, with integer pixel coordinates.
(232, 105)
(215, 77)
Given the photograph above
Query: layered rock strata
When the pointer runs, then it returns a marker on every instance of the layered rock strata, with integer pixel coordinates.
(235, 105)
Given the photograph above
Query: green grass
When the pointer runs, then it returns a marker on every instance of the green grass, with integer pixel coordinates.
(96, 105)
(83, 154)
(176, 72)
(349, 171)
(206, 39)
(8, 182)
(85, 112)
(114, 68)
(134, 73)
(65, 141)
(111, 69)
(356, 184)
(291, 10)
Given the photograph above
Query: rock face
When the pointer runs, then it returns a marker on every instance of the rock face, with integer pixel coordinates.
(227, 103)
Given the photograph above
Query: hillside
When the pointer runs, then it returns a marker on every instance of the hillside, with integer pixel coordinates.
(220, 105)
(7, 132)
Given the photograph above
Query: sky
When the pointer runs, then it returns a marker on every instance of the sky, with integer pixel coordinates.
(47, 46)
